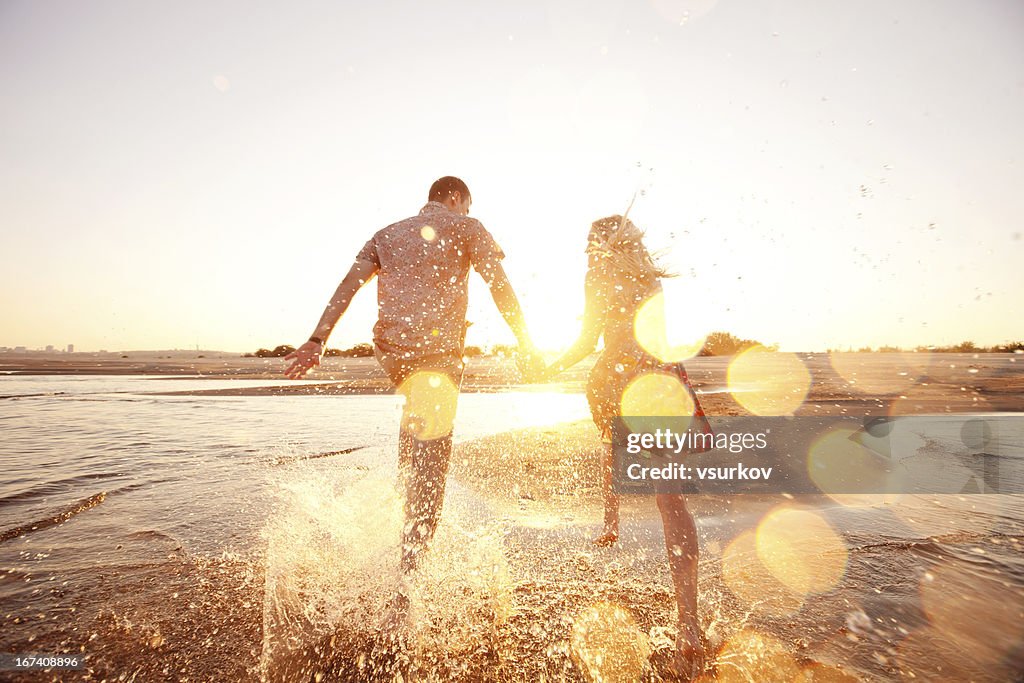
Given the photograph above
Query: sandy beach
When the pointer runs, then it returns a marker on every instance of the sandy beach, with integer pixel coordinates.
(206, 531)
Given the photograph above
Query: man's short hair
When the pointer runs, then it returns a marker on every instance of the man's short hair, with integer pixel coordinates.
(443, 188)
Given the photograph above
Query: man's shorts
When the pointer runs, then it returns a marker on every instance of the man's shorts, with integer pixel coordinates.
(430, 385)
(400, 367)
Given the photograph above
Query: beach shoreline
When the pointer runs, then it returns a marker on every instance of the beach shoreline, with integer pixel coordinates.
(944, 382)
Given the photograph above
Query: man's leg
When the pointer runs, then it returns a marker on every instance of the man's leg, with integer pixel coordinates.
(425, 445)
(424, 483)
(681, 544)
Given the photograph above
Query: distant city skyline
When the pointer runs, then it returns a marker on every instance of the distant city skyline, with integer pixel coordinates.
(828, 175)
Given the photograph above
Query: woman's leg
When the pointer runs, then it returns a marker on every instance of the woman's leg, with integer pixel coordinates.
(681, 544)
(610, 534)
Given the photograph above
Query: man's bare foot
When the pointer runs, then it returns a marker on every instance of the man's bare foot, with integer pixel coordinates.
(390, 655)
(396, 618)
(691, 651)
(608, 538)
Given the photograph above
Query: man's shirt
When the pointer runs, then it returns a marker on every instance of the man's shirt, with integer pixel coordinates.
(422, 288)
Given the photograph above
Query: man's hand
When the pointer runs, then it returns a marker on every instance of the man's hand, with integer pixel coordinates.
(303, 359)
(531, 366)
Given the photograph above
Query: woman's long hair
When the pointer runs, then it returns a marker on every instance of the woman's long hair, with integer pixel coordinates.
(616, 246)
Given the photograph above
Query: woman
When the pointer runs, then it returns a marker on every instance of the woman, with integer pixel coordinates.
(621, 277)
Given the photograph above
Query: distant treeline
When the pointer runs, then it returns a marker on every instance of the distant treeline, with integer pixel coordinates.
(357, 351)
(725, 344)
(716, 344)
(365, 350)
(962, 347)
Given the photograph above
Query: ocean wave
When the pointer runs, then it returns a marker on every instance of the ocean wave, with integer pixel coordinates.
(47, 393)
(991, 549)
(54, 520)
(56, 486)
(284, 460)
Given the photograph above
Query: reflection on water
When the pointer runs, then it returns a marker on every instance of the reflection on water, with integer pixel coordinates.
(230, 537)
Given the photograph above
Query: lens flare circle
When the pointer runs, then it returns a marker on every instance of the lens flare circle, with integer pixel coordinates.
(431, 398)
(754, 656)
(880, 373)
(608, 645)
(845, 467)
(650, 327)
(656, 394)
(768, 382)
(801, 550)
(753, 583)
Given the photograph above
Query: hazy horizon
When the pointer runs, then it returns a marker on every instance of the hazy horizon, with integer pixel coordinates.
(487, 349)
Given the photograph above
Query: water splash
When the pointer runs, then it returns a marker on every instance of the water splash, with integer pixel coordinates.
(332, 572)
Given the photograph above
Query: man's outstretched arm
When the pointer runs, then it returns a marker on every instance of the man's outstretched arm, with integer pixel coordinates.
(508, 305)
(308, 355)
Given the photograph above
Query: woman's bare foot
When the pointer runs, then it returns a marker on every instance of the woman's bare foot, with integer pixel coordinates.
(691, 651)
(609, 538)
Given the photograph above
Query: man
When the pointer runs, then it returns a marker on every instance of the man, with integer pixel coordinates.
(423, 265)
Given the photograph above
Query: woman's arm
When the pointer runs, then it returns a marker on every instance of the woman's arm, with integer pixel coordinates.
(594, 315)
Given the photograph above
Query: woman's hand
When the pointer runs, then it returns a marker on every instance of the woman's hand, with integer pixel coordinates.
(544, 374)
(530, 363)
(303, 359)
(539, 373)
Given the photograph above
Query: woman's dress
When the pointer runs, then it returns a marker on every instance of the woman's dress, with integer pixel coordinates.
(614, 297)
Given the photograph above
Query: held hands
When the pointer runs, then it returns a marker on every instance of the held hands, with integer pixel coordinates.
(303, 359)
(532, 367)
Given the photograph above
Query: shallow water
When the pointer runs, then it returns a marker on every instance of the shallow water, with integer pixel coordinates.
(214, 538)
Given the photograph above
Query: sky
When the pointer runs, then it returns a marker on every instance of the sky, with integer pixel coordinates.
(819, 174)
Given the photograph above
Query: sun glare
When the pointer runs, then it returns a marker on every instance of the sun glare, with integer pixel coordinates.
(651, 328)
(555, 328)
